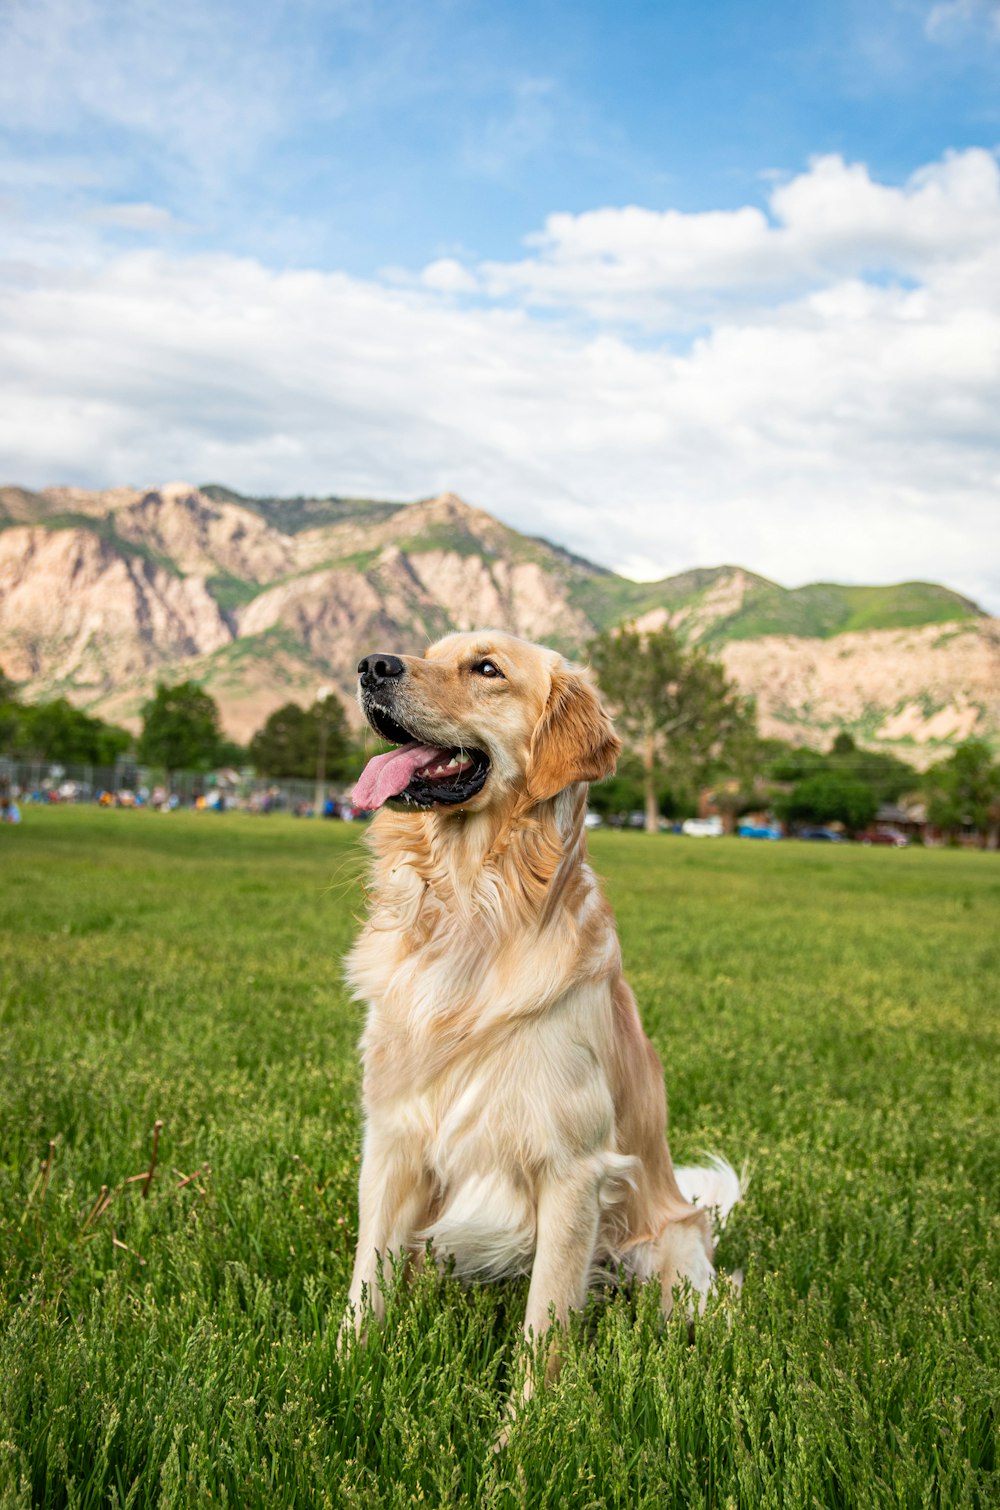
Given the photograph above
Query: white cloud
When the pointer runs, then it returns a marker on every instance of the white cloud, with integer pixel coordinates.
(649, 266)
(953, 20)
(140, 217)
(835, 418)
(449, 277)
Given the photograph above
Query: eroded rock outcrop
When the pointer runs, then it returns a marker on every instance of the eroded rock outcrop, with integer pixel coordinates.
(75, 611)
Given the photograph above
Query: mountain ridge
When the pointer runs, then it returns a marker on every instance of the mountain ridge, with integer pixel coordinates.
(101, 592)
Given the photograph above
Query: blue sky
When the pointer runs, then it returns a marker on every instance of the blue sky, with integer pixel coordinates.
(670, 283)
(362, 135)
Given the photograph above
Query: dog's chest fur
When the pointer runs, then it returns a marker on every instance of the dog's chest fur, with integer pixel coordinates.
(485, 1056)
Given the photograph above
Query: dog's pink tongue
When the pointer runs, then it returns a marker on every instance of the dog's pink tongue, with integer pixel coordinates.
(385, 776)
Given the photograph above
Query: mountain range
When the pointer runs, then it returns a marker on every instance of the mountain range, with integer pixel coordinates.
(263, 600)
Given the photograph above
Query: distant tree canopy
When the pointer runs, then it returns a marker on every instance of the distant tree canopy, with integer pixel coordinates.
(624, 792)
(9, 712)
(230, 753)
(675, 706)
(57, 731)
(288, 744)
(829, 797)
(887, 776)
(180, 728)
(964, 790)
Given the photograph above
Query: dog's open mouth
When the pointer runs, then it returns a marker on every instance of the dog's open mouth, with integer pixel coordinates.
(417, 773)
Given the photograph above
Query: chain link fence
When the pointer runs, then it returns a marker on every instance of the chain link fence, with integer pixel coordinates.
(126, 784)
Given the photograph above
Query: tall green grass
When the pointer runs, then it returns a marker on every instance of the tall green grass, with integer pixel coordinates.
(830, 1014)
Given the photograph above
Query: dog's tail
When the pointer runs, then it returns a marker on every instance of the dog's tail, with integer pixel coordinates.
(714, 1185)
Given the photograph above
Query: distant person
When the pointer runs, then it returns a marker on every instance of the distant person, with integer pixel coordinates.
(9, 810)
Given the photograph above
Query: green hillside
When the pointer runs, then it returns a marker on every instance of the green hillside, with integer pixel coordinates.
(823, 609)
(817, 611)
(293, 515)
(607, 599)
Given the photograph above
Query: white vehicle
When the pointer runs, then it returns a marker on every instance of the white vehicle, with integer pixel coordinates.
(702, 828)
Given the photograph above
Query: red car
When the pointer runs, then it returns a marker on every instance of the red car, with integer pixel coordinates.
(883, 836)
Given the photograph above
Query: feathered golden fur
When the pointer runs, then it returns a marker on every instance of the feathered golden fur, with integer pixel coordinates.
(515, 1114)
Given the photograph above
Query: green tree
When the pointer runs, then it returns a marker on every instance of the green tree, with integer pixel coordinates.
(829, 797)
(230, 753)
(885, 774)
(9, 712)
(180, 729)
(10, 722)
(675, 706)
(288, 743)
(738, 784)
(57, 731)
(795, 763)
(964, 790)
(624, 792)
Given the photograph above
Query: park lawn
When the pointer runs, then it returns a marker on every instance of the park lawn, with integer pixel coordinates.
(829, 1013)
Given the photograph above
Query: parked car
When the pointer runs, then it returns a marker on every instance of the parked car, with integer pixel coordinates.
(759, 831)
(883, 836)
(592, 820)
(825, 835)
(702, 828)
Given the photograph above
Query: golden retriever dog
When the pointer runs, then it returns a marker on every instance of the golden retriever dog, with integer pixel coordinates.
(515, 1114)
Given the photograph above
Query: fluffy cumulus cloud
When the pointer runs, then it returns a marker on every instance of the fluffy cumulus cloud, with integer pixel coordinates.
(831, 223)
(810, 389)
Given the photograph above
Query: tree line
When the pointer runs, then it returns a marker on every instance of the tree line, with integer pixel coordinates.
(686, 728)
(181, 731)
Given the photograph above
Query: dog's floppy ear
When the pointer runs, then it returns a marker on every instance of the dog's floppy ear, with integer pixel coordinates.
(573, 740)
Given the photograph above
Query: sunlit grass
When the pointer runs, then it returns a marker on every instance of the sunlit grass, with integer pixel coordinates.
(830, 1014)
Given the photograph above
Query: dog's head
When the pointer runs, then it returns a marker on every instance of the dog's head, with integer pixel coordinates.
(480, 720)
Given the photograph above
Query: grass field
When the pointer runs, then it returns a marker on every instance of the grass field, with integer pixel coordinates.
(832, 1014)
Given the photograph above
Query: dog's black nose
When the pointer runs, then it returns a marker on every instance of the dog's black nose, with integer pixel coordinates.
(376, 669)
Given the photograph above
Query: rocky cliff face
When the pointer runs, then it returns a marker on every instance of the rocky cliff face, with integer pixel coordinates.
(265, 599)
(76, 612)
(891, 687)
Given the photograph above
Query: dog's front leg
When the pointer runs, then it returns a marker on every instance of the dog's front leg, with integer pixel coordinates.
(392, 1199)
(567, 1216)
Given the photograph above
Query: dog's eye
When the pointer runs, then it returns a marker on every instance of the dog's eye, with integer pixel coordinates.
(487, 668)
